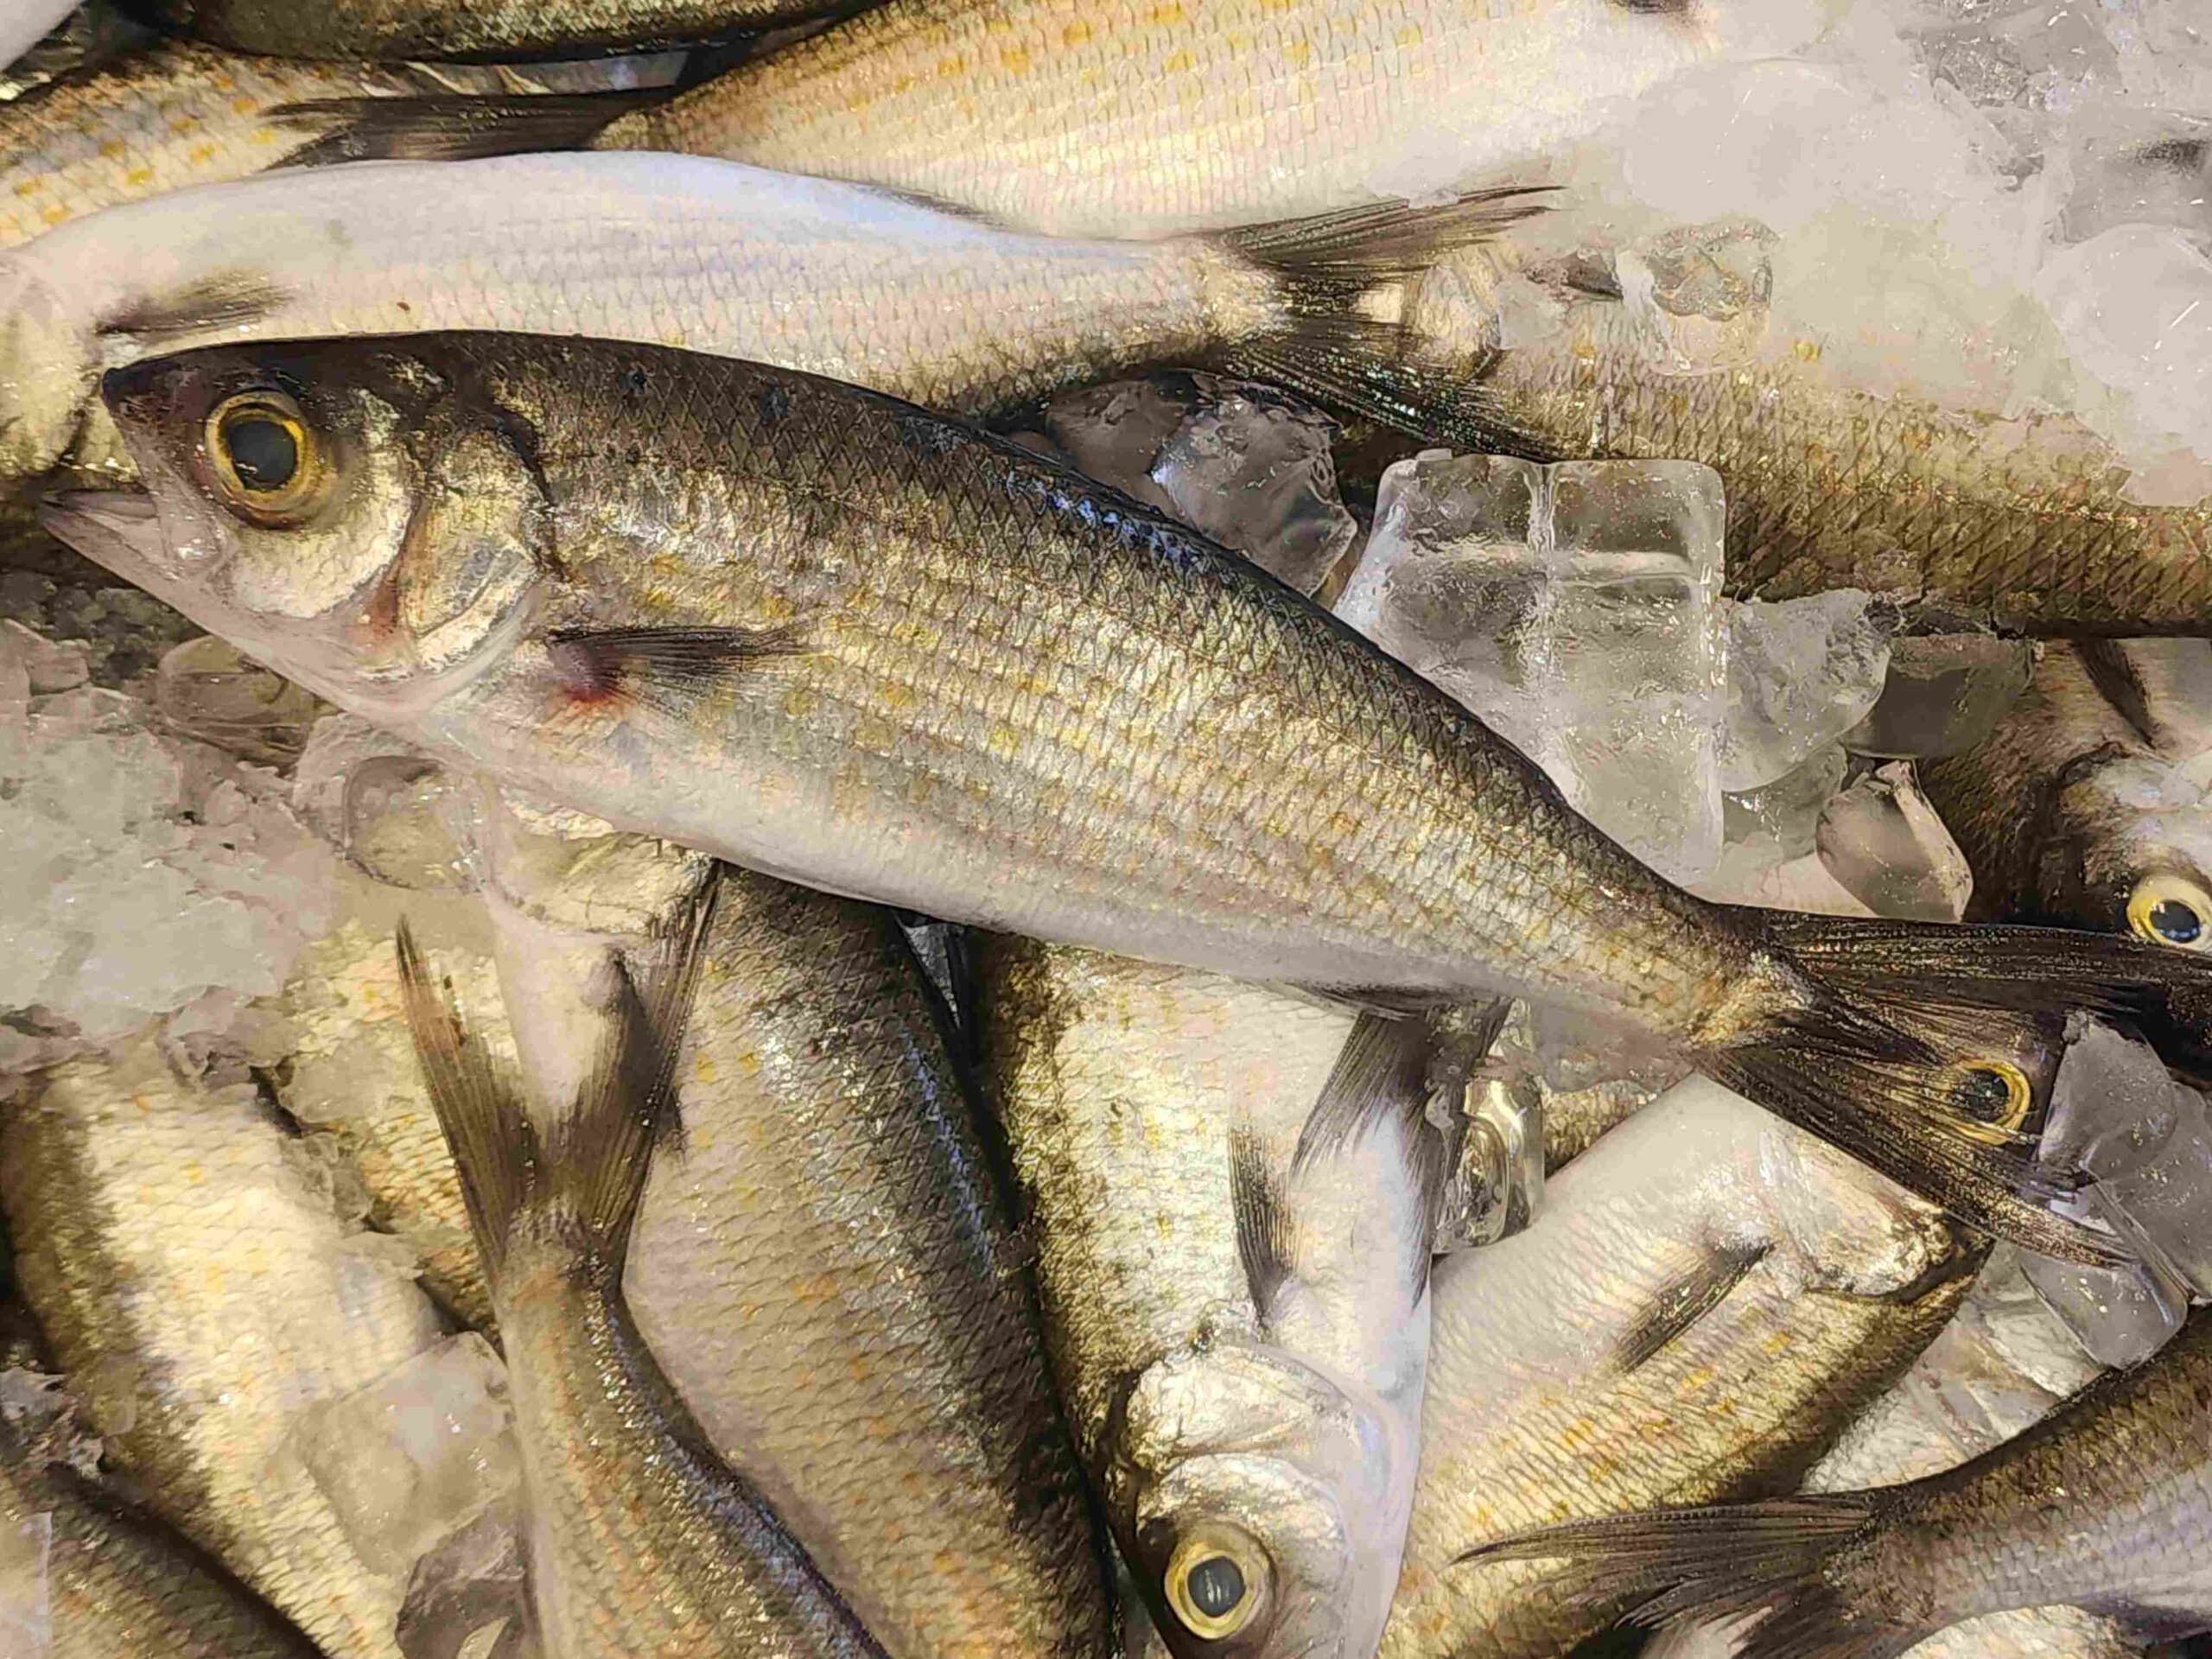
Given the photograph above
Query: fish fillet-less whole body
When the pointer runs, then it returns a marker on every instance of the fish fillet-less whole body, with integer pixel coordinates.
(1707, 1299)
(825, 1271)
(114, 1585)
(473, 29)
(868, 648)
(662, 249)
(1238, 1308)
(203, 1298)
(1137, 117)
(2022, 521)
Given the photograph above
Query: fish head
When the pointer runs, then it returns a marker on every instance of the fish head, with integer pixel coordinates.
(1261, 1504)
(352, 517)
(49, 373)
(2134, 852)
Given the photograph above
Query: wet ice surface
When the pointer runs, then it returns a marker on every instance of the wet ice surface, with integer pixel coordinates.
(1801, 674)
(1886, 847)
(1943, 695)
(1249, 464)
(1571, 607)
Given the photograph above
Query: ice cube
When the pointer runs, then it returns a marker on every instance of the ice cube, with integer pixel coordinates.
(1943, 694)
(1801, 674)
(2132, 166)
(417, 1454)
(1884, 844)
(396, 813)
(1788, 811)
(53, 665)
(1247, 464)
(205, 687)
(1571, 608)
(469, 1597)
(2134, 306)
(2122, 1315)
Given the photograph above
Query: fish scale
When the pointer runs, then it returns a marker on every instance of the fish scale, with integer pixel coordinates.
(474, 29)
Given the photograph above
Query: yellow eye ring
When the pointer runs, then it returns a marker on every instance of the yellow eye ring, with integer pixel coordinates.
(1216, 1582)
(2171, 910)
(264, 456)
(1989, 1099)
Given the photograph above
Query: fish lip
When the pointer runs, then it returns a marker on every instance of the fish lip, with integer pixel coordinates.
(120, 530)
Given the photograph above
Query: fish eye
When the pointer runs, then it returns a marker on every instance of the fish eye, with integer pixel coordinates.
(266, 461)
(2168, 909)
(1990, 1098)
(1215, 1582)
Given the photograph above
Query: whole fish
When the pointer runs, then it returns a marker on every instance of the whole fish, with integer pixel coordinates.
(2074, 813)
(469, 29)
(642, 1545)
(2104, 1504)
(2018, 521)
(1706, 1300)
(732, 260)
(826, 1273)
(1233, 1196)
(114, 1585)
(1135, 118)
(203, 1297)
(872, 649)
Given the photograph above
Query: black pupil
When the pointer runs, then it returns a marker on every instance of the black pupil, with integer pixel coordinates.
(263, 453)
(1216, 1585)
(2176, 923)
(1985, 1096)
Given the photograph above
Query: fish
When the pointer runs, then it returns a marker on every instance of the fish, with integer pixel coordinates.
(177, 114)
(840, 640)
(1233, 1196)
(825, 1269)
(2074, 812)
(714, 256)
(1869, 1574)
(203, 1298)
(1707, 1299)
(111, 1585)
(1221, 114)
(642, 1544)
(2021, 522)
(405, 30)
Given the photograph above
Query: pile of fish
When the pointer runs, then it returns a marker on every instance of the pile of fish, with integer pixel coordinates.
(1294, 828)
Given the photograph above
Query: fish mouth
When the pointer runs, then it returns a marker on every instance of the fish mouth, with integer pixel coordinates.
(120, 530)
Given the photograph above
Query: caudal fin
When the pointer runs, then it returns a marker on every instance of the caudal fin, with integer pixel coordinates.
(1722, 1563)
(587, 1172)
(1333, 351)
(1927, 1051)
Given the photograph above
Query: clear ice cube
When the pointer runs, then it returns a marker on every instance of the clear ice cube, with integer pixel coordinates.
(2134, 306)
(417, 1454)
(1571, 607)
(1250, 466)
(206, 688)
(469, 1597)
(1885, 845)
(1801, 674)
(1944, 693)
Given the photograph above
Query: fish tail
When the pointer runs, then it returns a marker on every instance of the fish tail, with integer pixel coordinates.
(1927, 1050)
(1773, 1560)
(588, 1171)
(1329, 348)
(454, 126)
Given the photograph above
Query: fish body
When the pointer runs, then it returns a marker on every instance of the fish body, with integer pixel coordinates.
(203, 1297)
(825, 1269)
(2023, 522)
(718, 258)
(1706, 1300)
(642, 1545)
(116, 1586)
(841, 639)
(2073, 813)
(1143, 120)
(1240, 1332)
(469, 30)
(2107, 1504)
